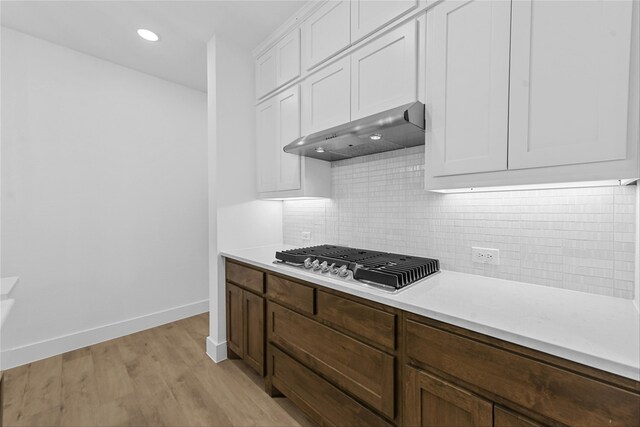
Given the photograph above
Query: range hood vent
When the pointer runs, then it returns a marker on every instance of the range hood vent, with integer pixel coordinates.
(400, 127)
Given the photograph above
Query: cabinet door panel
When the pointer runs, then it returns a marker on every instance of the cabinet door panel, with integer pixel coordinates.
(326, 32)
(266, 73)
(505, 418)
(384, 72)
(267, 154)
(569, 82)
(367, 16)
(432, 402)
(288, 105)
(467, 86)
(288, 58)
(325, 98)
(253, 307)
(235, 338)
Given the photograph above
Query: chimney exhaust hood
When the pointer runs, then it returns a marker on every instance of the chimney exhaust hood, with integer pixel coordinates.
(400, 127)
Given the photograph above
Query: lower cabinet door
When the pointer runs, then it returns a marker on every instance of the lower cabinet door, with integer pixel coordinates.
(320, 400)
(431, 402)
(504, 418)
(235, 329)
(253, 306)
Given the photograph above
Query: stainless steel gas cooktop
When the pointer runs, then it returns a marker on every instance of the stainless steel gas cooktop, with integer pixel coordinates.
(382, 269)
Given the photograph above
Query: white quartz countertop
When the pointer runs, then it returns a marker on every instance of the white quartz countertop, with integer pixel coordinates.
(598, 331)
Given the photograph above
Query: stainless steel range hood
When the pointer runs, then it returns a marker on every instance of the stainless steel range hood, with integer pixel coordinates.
(393, 129)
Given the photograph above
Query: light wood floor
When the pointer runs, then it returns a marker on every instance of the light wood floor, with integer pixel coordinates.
(161, 376)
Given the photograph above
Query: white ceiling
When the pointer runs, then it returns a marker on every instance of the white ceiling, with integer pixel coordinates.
(107, 30)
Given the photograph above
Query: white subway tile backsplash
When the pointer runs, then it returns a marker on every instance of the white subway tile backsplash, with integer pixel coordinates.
(580, 239)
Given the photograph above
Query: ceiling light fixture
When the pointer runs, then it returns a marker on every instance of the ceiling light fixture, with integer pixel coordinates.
(148, 35)
(319, 150)
(375, 136)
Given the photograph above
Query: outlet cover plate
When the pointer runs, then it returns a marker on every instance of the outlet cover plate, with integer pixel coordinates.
(485, 255)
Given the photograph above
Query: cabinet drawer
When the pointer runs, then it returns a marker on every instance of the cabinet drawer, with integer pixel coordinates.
(367, 322)
(365, 372)
(323, 402)
(245, 277)
(291, 293)
(550, 391)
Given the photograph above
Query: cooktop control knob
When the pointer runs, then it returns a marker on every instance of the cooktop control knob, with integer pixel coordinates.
(307, 263)
(333, 269)
(315, 264)
(327, 268)
(342, 271)
(324, 267)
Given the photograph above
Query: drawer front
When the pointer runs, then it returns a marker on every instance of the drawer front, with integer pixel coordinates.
(363, 371)
(291, 293)
(323, 402)
(367, 322)
(549, 391)
(246, 277)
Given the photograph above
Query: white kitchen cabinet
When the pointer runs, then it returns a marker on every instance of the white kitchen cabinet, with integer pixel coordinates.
(326, 32)
(325, 97)
(384, 72)
(367, 16)
(467, 86)
(569, 82)
(266, 72)
(531, 93)
(288, 58)
(267, 146)
(282, 175)
(288, 122)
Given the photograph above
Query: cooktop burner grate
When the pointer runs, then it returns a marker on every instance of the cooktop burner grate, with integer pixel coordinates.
(388, 269)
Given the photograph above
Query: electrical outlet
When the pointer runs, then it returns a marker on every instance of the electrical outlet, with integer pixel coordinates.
(485, 255)
(306, 236)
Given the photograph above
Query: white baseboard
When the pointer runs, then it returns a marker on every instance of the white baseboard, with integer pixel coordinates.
(17, 356)
(217, 352)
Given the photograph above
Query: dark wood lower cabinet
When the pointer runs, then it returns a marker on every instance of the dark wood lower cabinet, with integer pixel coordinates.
(235, 322)
(245, 326)
(433, 402)
(504, 418)
(253, 306)
(347, 361)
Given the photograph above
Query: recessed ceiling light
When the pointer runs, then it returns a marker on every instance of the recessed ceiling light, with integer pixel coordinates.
(319, 150)
(375, 136)
(148, 35)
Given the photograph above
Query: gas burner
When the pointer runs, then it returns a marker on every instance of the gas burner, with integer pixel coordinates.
(386, 270)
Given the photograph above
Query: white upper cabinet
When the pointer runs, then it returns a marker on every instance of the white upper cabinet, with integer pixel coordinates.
(278, 123)
(569, 82)
(467, 86)
(288, 106)
(326, 32)
(384, 72)
(325, 98)
(288, 58)
(266, 73)
(267, 146)
(367, 16)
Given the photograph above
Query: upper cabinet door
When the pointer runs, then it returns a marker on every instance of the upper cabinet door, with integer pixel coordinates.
(325, 98)
(267, 146)
(288, 105)
(326, 32)
(467, 86)
(288, 58)
(384, 72)
(569, 82)
(367, 16)
(266, 73)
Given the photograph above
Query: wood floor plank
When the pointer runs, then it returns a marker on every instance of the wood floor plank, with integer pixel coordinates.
(43, 390)
(157, 377)
(112, 378)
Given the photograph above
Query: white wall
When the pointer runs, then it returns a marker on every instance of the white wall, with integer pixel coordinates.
(104, 199)
(237, 219)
